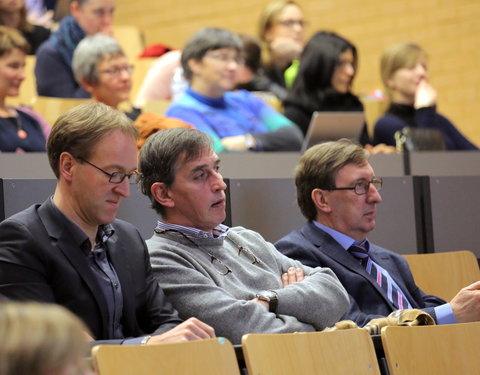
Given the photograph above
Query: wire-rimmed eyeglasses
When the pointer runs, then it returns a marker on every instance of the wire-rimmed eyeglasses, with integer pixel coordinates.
(220, 266)
(115, 177)
(362, 187)
(116, 70)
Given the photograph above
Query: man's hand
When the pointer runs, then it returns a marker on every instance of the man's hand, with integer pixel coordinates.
(293, 275)
(466, 304)
(426, 96)
(190, 330)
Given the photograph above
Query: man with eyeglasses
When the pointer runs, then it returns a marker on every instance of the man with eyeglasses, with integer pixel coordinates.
(230, 278)
(71, 250)
(337, 192)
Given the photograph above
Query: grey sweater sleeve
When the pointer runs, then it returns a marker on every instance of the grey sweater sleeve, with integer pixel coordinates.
(320, 299)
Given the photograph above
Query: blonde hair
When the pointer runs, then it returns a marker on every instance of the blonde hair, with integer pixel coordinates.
(78, 130)
(398, 56)
(11, 39)
(268, 18)
(39, 338)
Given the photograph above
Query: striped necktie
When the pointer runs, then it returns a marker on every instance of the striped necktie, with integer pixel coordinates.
(395, 296)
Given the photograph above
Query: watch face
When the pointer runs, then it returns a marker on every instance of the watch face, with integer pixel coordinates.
(267, 296)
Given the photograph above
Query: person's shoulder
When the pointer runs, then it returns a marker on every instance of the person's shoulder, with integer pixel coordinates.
(41, 32)
(27, 218)
(46, 48)
(124, 228)
(385, 252)
(298, 239)
(183, 102)
(291, 237)
(246, 234)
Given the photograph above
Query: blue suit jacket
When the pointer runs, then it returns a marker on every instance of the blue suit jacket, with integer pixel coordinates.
(313, 247)
(40, 262)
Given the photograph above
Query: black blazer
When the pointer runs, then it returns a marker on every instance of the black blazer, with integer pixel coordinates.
(40, 262)
(314, 247)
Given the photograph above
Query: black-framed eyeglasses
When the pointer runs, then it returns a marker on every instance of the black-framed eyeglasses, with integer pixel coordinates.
(115, 177)
(361, 187)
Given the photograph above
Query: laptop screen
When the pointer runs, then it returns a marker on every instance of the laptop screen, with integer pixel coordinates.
(331, 126)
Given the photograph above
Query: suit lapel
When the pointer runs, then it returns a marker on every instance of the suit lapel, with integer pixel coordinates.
(57, 229)
(328, 246)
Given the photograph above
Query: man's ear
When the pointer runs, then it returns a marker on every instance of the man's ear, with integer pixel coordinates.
(161, 194)
(321, 200)
(66, 162)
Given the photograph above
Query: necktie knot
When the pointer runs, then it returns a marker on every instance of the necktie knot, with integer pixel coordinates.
(358, 252)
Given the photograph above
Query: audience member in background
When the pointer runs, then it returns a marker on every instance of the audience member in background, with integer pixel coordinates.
(413, 99)
(231, 278)
(327, 69)
(101, 67)
(235, 120)
(338, 192)
(71, 250)
(324, 81)
(41, 339)
(249, 76)
(53, 69)
(21, 129)
(13, 13)
(282, 34)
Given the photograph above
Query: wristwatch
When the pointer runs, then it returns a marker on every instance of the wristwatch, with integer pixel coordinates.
(271, 297)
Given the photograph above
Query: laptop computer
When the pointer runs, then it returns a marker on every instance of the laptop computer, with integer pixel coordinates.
(331, 126)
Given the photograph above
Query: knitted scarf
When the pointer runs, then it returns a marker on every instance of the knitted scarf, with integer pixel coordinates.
(66, 38)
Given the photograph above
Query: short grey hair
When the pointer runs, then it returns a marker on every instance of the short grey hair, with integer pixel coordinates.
(91, 51)
(207, 39)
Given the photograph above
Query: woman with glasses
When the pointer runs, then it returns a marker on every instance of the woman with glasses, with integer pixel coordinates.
(53, 71)
(282, 32)
(235, 120)
(101, 67)
(412, 98)
(21, 129)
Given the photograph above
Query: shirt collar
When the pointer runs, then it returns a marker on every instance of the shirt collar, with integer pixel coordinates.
(344, 241)
(78, 236)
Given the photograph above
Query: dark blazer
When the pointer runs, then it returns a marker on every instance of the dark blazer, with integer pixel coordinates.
(39, 261)
(314, 247)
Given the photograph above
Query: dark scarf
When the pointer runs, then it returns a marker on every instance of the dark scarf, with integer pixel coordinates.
(66, 38)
